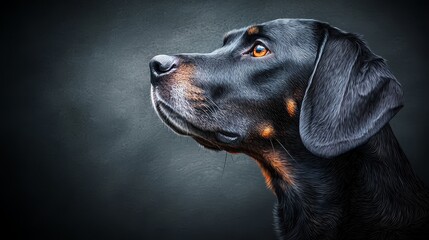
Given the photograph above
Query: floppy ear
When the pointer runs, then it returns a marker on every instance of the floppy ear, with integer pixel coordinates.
(351, 95)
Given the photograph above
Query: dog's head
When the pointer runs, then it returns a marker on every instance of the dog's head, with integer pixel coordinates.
(298, 79)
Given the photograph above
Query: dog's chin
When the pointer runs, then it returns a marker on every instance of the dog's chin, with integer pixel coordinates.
(207, 144)
(177, 122)
(214, 140)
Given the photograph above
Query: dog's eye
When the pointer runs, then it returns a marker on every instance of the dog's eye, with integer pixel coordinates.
(259, 50)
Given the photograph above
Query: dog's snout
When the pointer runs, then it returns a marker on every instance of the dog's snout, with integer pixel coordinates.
(162, 64)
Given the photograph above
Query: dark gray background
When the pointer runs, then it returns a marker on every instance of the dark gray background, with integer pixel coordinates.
(86, 155)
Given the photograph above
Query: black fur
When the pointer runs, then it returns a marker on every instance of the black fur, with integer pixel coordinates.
(338, 171)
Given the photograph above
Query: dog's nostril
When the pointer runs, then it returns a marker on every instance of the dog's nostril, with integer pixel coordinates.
(162, 67)
(163, 63)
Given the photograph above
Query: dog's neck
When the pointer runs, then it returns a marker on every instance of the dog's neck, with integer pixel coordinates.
(325, 193)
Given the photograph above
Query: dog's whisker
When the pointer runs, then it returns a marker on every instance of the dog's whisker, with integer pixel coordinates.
(224, 163)
(205, 109)
(205, 112)
(212, 109)
(213, 102)
(285, 150)
(216, 145)
(272, 145)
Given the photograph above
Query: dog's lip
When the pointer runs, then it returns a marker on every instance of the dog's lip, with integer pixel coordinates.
(182, 126)
(227, 137)
(177, 122)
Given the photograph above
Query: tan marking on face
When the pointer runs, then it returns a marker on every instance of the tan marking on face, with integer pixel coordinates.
(280, 166)
(194, 93)
(266, 131)
(199, 105)
(183, 77)
(184, 73)
(252, 30)
(291, 107)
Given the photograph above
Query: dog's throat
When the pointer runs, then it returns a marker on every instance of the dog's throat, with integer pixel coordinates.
(277, 169)
(293, 181)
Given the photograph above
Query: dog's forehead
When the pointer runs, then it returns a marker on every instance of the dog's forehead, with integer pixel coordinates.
(279, 26)
(287, 25)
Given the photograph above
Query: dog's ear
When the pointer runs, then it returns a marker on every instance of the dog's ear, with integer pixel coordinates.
(350, 96)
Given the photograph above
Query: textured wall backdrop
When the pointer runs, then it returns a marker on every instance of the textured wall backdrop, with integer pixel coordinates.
(86, 157)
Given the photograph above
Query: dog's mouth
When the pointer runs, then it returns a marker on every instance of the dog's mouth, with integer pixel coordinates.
(177, 122)
(211, 139)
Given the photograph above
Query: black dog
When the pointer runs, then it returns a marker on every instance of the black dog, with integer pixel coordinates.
(311, 104)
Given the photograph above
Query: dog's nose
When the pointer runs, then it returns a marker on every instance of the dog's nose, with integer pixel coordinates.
(162, 64)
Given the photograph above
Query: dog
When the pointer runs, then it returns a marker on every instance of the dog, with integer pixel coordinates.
(311, 104)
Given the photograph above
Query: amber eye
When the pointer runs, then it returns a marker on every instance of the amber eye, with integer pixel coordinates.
(259, 50)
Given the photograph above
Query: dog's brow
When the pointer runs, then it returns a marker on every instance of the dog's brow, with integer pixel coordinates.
(252, 30)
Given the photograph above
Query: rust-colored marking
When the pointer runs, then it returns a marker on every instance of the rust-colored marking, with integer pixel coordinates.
(266, 131)
(291, 107)
(194, 93)
(252, 30)
(183, 76)
(280, 166)
(200, 105)
(267, 176)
